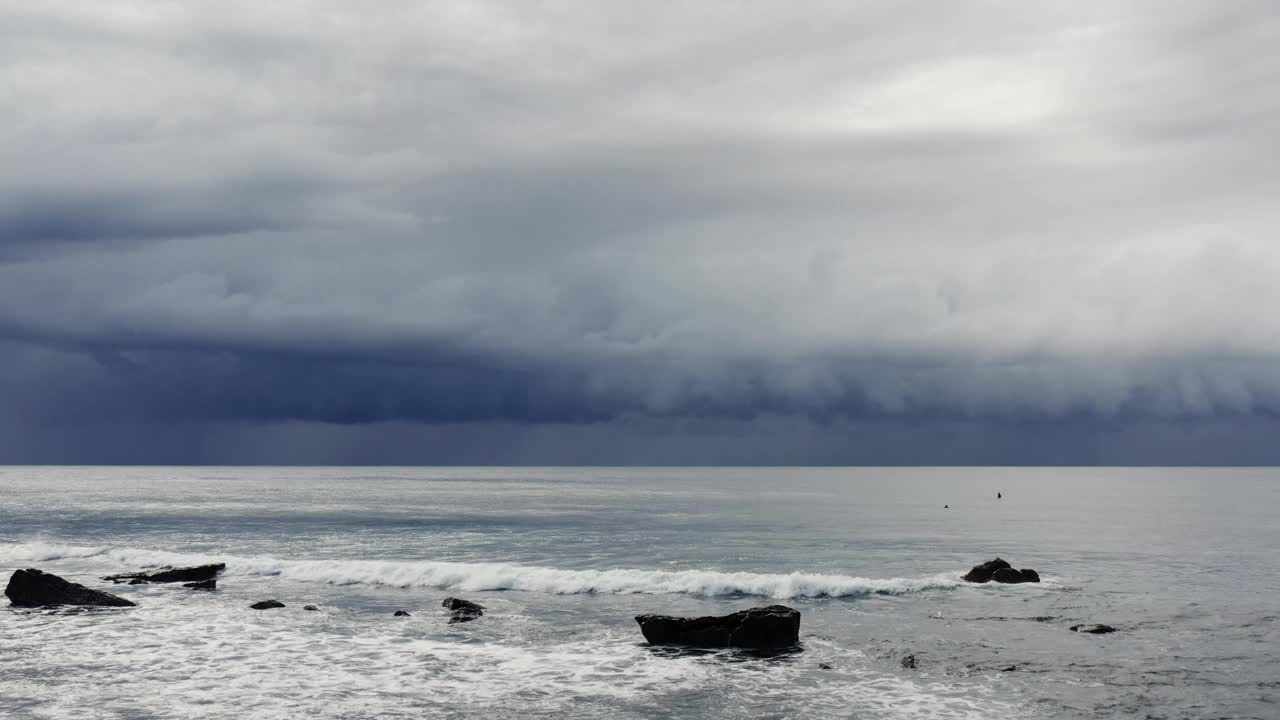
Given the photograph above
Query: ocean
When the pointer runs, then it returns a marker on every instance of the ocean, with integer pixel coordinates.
(1185, 563)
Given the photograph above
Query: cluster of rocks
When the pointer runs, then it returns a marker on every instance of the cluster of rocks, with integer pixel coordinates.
(33, 588)
(1000, 571)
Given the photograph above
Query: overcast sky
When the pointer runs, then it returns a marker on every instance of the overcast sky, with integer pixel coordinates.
(606, 231)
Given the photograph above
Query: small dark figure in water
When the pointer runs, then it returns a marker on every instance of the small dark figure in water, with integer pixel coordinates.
(946, 507)
(998, 495)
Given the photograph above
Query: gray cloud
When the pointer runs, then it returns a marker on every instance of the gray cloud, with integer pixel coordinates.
(494, 215)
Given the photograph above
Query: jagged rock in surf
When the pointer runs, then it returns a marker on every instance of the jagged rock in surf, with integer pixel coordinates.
(1093, 629)
(1000, 571)
(35, 588)
(209, 584)
(198, 573)
(402, 613)
(774, 627)
(267, 605)
(463, 610)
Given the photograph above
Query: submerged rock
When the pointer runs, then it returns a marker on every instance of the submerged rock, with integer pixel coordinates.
(209, 584)
(1001, 572)
(199, 573)
(463, 610)
(310, 607)
(1093, 629)
(764, 628)
(267, 605)
(35, 588)
(402, 613)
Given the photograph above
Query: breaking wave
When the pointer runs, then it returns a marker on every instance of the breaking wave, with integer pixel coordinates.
(505, 576)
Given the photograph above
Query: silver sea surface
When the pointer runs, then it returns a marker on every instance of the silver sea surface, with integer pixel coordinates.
(1185, 562)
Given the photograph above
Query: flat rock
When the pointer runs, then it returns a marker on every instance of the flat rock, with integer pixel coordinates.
(764, 628)
(310, 607)
(402, 613)
(267, 605)
(198, 573)
(35, 588)
(209, 584)
(1093, 629)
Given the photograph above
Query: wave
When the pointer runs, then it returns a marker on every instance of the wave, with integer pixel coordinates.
(475, 577)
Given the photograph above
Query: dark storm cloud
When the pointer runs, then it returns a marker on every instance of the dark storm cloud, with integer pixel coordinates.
(488, 216)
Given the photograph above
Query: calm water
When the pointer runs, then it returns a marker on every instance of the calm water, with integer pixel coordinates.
(1185, 562)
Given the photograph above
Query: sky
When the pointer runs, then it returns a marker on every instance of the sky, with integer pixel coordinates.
(610, 232)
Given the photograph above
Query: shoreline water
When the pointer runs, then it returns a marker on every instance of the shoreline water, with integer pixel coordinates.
(563, 563)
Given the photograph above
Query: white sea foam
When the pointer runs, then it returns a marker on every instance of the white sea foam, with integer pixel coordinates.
(506, 576)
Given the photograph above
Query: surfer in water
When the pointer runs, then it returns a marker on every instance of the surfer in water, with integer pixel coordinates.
(998, 495)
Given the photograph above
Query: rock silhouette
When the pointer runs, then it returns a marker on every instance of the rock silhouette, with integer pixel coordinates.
(198, 573)
(267, 605)
(1000, 571)
(209, 584)
(765, 628)
(35, 588)
(463, 610)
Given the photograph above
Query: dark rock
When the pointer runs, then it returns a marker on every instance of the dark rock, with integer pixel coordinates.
(170, 574)
(823, 666)
(1009, 575)
(310, 607)
(267, 605)
(402, 613)
(909, 662)
(1001, 572)
(982, 573)
(463, 610)
(773, 627)
(209, 584)
(34, 588)
(1011, 668)
(1093, 629)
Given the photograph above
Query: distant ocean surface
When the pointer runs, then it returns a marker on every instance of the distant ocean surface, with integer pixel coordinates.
(1184, 562)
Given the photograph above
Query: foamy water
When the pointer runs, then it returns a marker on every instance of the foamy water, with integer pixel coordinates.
(501, 576)
(563, 560)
